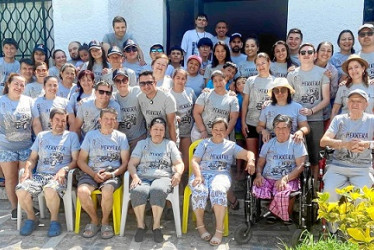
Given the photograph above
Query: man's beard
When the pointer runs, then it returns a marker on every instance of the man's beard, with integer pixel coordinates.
(235, 49)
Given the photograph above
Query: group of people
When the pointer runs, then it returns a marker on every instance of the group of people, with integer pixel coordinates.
(107, 111)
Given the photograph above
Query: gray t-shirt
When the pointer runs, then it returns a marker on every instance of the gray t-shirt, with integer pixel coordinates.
(132, 123)
(73, 104)
(90, 114)
(34, 90)
(65, 92)
(7, 68)
(246, 69)
(210, 69)
(136, 67)
(15, 123)
(54, 151)
(216, 106)
(54, 71)
(97, 69)
(156, 160)
(346, 129)
(238, 59)
(104, 150)
(112, 40)
(257, 88)
(369, 57)
(165, 83)
(280, 157)
(185, 101)
(160, 106)
(292, 110)
(42, 108)
(196, 83)
(216, 157)
(308, 88)
(278, 69)
(342, 96)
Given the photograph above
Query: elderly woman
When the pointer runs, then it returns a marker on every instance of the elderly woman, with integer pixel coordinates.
(213, 104)
(280, 163)
(159, 66)
(156, 167)
(355, 67)
(211, 176)
(281, 103)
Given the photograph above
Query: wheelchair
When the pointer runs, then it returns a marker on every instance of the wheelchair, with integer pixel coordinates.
(307, 208)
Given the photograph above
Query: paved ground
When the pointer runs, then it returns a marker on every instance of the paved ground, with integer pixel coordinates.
(264, 236)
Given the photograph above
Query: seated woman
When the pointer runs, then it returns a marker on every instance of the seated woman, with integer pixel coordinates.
(156, 167)
(211, 176)
(281, 103)
(279, 165)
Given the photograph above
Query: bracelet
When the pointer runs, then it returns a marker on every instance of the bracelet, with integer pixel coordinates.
(312, 111)
(301, 131)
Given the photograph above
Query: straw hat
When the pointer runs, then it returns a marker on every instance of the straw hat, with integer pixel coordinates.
(354, 58)
(281, 82)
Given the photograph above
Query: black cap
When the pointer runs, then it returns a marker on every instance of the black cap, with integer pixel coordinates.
(94, 45)
(40, 47)
(120, 72)
(129, 43)
(205, 42)
(235, 35)
(114, 50)
(10, 41)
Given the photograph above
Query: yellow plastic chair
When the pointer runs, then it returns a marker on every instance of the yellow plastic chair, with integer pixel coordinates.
(187, 195)
(116, 209)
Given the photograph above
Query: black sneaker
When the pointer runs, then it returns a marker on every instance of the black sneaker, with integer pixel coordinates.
(157, 235)
(14, 214)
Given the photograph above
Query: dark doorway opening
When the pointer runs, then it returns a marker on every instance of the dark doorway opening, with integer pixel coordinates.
(265, 18)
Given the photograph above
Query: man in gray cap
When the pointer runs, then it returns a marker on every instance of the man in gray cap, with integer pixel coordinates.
(351, 135)
(366, 39)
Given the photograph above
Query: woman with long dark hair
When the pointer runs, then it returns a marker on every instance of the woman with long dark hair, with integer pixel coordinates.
(221, 55)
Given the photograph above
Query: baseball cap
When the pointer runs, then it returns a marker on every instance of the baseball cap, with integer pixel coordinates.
(366, 25)
(156, 45)
(197, 58)
(129, 43)
(40, 47)
(205, 42)
(359, 92)
(120, 72)
(235, 35)
(114, 50)
(10, 41)
(94, 45)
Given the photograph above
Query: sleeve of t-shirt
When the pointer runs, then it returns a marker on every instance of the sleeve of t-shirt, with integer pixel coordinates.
(201, 99)
(80, 111)
(174, 152)
(137, 152)
(325, 79)
(262, 117)
(124, 142)
(71, 104)
(35, 145)
(184, 43)
(264, 149)
(35, 111)
(116, 106)
(248, 86)
(200, 149)
(300, 150)
(338, 97)
(171, 104)
(74, 142)
(334, 125)
(234, 107)
(237, 149)
(106, 38)
(290, 78)
(86, 142)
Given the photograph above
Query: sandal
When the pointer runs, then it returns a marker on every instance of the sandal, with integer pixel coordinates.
(28, 227)
(54, 229)
(205, 235)
(215, 241)
(107, 232)
(90, 230)
(139, 235)
(271, 219)
(157, 235)
(234, 205)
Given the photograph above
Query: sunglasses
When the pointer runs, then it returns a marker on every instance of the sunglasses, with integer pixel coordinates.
(102, 92)
(132, 48)
(281, 90)
(142, 84)
(368, 33)
(119, 81)
(157, 50)
(303, 52)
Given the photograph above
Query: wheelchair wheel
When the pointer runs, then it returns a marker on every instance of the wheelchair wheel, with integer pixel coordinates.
(296, 237)
(243, 233)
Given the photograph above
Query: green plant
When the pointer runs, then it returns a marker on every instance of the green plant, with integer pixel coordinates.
(354, 214)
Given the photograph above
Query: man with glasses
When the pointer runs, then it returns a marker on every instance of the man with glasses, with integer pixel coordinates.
(312, 91)
(294, 39)
(89, 110)
(131, 57)
(115, 58)
(192, 37)
(366, 39)
(156, 103)
(132, 123)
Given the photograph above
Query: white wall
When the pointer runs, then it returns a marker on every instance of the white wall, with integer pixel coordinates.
(322, 20)
(86, 20)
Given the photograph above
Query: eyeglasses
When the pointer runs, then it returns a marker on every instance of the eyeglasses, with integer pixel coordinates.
(303, 52)
(102, 92)
(142, 84)
(119, 81)
(157, 50)
(41, 70)
(281, 90)
(132, 48)
(368, 33)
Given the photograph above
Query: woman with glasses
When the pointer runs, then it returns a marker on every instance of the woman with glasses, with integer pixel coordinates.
(346, 41)
(281, 64)
(132, 57)
(59, 58)
(97, 61)
(88, 113)
(35, 89)
(312, 91)
(221, 55)
(281, 103)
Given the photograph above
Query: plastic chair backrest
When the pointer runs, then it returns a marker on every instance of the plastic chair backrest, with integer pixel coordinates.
(191, 150)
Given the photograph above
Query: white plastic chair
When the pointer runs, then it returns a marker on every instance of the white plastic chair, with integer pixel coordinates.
(69, 200)
(172, 197)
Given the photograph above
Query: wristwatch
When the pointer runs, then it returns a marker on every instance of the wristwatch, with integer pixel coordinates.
(113, 175)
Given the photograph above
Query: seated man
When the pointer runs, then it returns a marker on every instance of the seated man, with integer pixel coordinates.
(54, 152)
(280, 163)
(351, 135)
(103, 158)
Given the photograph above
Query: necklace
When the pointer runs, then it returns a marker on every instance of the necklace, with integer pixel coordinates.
(197, 33)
